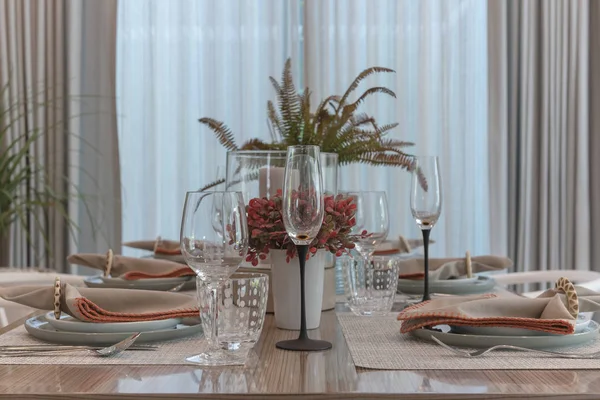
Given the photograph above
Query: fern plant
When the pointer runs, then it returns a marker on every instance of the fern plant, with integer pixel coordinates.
(335, 125)
(25, 193)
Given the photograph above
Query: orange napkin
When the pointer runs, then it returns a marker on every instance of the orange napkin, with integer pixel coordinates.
(105, 305)
(132, 268)
(158, 246)
(451, 268)
(550, 312)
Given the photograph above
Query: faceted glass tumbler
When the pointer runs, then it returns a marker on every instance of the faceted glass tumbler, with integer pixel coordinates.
(242, 304)
(370, 287)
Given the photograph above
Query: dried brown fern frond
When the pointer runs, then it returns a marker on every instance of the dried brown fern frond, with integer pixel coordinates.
(222, 132)
(335, 125)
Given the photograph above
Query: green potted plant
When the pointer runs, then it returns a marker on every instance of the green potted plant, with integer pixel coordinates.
(26, 193)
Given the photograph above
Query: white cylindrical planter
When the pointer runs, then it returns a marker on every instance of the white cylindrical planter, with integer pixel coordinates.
(286, 289)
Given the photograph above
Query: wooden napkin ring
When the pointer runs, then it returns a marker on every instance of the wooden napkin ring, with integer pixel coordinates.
(565, 286)
(468, 264)
(404, 245)
(109, 263)
(157, 243)
(57, 297)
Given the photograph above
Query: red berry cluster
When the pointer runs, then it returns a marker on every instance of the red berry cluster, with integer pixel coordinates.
(267, 231)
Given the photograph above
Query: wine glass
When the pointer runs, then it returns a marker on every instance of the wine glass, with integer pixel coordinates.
(371, 216)
(302, 212)
(214, 250)
(426, 203)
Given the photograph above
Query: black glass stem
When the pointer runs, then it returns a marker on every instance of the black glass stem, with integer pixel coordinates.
(303, 343)
(426, 251)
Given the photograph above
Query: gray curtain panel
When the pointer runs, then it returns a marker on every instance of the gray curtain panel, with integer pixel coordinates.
(58, 58)
(594, 149)
(540, 105)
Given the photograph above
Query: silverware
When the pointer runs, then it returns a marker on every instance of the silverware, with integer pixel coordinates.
(477, 353)
(115, 349)
(48, 347)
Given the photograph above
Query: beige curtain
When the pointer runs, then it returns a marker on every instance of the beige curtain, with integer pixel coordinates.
(57, 57)
(539, 102)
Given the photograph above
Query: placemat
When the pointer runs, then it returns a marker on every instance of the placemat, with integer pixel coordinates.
(169, 352)
(376, 343)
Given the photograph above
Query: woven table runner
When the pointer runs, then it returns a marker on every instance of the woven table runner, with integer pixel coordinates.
(376, 343)
(170, 352)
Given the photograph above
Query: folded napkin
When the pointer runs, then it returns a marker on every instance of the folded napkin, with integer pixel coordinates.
(451, 268)
(132, 268)
(400, 246)
(551, 312)
(105, 305)
(158, 246)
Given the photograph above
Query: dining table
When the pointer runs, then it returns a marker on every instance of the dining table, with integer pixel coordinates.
(278, 374)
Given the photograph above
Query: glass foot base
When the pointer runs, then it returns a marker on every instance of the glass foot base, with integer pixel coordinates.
(219, 358)
(303, 345)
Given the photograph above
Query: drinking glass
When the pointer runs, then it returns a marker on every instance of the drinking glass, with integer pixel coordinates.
(371, 216)
(302, 212)
(371, 288)
(426, 204)
(214, 249)
(242, 303)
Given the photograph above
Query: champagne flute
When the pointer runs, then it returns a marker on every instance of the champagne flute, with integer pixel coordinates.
(214, 250)
(302, 212)
(426, 203)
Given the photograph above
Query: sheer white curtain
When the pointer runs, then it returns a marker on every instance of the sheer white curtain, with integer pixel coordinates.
(438, 49)
(178, 61)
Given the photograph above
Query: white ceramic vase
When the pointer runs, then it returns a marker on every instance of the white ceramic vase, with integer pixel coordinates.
(286, 289)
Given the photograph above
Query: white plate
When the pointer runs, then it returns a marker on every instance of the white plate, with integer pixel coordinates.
(483, 341)
(66, 323)
(479, 284)
(581, 325)
(144, 284)
(40, 328)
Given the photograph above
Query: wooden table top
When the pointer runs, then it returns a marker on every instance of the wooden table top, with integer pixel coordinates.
(280, 374)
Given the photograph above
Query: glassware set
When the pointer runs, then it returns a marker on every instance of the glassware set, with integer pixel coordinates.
(214, 242)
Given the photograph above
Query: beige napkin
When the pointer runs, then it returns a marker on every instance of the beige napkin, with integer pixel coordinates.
(548, 312)
(132, 268)
(158, 246)
(400, 246)
(451, 268)
(105, 305)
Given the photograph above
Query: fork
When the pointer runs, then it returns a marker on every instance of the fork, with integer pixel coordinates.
(477, 353)
(112, 350)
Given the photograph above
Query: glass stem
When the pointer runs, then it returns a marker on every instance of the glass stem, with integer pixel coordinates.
(213, 338)
(426, 270)
(302, 252)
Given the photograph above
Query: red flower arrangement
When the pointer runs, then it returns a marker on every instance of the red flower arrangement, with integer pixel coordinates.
(267, 231)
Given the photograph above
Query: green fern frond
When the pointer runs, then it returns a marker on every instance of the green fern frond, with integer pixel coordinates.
(255, 144)
(363, 75)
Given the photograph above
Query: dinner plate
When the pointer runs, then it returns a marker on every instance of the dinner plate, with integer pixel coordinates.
(583, 321)
(478, 284)
(67, 323)
(144, 284)
(40, 328)
(446, 335)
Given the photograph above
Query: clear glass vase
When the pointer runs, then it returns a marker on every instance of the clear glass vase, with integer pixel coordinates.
(259, 173)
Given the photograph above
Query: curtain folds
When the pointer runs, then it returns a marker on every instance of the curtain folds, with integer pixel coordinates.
(213, 58)
(56, 58)
(540, 124)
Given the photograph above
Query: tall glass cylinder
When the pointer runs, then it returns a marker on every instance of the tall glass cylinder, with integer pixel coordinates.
(259, 173)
